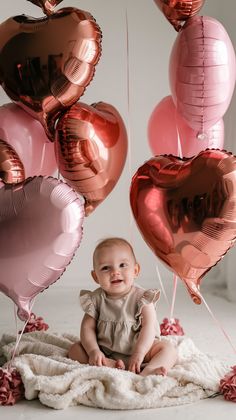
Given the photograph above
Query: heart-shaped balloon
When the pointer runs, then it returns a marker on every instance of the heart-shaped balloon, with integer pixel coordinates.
(186, 211)
(47, 6)
(168, 133)
(91, 147)
(46, 63)
(202, 71)
(177, 11)
(27, 137)
(11, 168)
(40, 229)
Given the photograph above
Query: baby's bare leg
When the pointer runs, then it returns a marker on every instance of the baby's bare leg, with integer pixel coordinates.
(77, 352)
(160, 358)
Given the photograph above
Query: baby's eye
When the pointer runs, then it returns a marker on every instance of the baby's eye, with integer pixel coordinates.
(105, 268)
(122, 265)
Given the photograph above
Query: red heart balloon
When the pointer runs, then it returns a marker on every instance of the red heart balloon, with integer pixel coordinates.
(186, 211)
(46, 63)
(91, 147)
(40, 229)
(177, 11)
(11, 168)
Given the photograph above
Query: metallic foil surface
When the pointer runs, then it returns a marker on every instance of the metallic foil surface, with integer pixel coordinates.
(46, 63)
(186, 211)
(11, 168)
(91, 148)
(176, 11)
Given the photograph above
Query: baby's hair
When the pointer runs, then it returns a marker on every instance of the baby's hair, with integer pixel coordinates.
(112, 241)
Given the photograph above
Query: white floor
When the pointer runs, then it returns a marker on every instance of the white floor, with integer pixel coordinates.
(59, 307)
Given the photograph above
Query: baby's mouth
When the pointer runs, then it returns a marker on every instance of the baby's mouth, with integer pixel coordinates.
(117, 281)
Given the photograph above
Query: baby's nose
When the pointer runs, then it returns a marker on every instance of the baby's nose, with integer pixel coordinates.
(115, 271)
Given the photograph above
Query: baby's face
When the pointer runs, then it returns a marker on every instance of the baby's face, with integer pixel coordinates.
(115, 269)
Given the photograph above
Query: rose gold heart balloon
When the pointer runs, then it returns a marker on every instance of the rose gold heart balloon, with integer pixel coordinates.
(46, 64)
(186, 211)
(91, 148)
(11, 168)
(177, 11)
(47, 6)
(40, 230)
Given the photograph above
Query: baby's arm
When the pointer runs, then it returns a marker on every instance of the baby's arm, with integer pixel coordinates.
(145, 338)
(89, 341)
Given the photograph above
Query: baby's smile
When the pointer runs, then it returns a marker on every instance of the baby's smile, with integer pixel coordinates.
(116, 281)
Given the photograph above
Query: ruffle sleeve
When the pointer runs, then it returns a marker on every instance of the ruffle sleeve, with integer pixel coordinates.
(88, 303)
(149, 296)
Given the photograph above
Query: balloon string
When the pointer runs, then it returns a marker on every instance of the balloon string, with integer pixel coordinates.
(180, 151)
(175, 278)
(43, 157)
(171, 306)
(128, 116)
(162, 286)
(16, 320)
(217, 322)
(18, 337)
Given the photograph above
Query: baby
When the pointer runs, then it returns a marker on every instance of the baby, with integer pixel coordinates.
(120, 328)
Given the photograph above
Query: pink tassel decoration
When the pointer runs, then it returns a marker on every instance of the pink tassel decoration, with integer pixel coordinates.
(11, 386)
(171, 327)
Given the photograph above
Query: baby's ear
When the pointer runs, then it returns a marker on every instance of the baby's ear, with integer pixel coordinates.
(136, 269)
(94, 276)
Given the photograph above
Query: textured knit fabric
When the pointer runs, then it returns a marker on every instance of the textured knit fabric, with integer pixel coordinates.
(59, 382)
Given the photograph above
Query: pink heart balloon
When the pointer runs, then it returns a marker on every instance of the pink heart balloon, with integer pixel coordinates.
(168, 133)
(202, 72)
(40, 229)
(28, 138)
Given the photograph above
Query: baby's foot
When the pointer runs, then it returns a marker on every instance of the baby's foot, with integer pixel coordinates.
(118, 364)
(154, 371)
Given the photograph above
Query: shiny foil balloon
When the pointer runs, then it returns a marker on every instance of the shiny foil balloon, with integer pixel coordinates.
(177, 11)
(91, 148)
(46, 63)
(202, 72)
(28, 138)
(47, 6)
(186, 211)
(40, 229)
(168, 133)
(11, 168)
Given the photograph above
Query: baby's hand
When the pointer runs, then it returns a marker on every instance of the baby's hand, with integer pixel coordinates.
(97, 358)
(135, 362)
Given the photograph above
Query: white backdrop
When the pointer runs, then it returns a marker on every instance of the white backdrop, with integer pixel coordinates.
(151, 38)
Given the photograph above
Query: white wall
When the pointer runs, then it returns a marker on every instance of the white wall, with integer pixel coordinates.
(150, 38)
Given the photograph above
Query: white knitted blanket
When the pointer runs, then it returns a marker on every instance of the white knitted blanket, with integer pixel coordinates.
(59, 382)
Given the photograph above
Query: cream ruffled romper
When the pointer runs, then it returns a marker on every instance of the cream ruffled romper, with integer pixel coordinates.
(118, 320)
